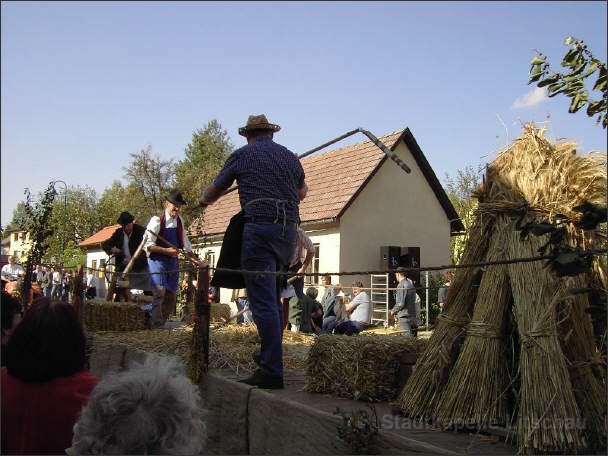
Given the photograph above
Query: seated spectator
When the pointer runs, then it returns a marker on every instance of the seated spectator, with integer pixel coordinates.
(151, 408)
(335, 312)
(12, 311)
(328, 293)
(312, 309)
(359, 312)
(44, 384)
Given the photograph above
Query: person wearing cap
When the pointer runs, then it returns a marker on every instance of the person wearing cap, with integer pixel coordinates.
(123, 244)
(162, 257)
(271, 185)
(405, 303)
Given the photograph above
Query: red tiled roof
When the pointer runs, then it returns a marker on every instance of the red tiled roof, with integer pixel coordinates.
(333, 179)
(99, 237)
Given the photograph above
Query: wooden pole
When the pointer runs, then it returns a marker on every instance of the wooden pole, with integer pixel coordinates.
(203, 313)
(77, 293)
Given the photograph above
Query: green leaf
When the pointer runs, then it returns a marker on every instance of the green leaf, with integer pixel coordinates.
(548, 80)
(536, 60)
(600, 84)
(595, 107)
(578, 102)
(569, 40)
(570, 58)
(535, 77)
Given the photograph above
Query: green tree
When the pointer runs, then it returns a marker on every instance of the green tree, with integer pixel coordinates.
(73, 223)
(37, 223)
(460, 189)
(580, 64)
(149, 178)
(204, 157)
(20, 217)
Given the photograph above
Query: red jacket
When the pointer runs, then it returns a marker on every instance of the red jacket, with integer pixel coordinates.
(38, 418)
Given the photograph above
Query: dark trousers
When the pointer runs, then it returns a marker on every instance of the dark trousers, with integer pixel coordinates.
(349, 327)
(267, 247)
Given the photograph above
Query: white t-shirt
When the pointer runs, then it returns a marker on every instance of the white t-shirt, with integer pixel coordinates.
(12, 271)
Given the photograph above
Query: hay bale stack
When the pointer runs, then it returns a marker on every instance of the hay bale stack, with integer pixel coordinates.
(102, 315)
(231, 347)
(559, 394)
(365, 367)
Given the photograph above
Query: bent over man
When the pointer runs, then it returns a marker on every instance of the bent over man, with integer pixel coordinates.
(271, 185)
(162, 257)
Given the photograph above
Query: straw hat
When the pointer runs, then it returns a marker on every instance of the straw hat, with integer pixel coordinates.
(259, 122)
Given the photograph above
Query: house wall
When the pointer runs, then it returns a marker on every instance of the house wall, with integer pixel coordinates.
(19, 244)
(100, 282)
(398, 209)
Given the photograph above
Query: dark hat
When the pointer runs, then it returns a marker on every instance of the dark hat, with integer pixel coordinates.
(125, 218)
(259, 122)
(175, 197)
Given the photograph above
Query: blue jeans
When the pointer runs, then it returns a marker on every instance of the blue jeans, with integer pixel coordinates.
(267, 247)
(329, 323)
(348, 327)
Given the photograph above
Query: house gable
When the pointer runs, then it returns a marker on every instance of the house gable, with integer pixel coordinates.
(334, 179)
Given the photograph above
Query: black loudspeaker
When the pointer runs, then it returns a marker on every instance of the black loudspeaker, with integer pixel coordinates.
(410, 258)
(390, 256)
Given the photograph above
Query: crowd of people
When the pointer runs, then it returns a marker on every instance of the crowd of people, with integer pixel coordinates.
(52, 404)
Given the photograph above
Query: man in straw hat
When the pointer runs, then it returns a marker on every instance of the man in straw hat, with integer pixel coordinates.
(123, 244)
(271, 186)
(162, 257)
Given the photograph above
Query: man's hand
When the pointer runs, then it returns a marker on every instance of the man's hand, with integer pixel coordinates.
(172, 252)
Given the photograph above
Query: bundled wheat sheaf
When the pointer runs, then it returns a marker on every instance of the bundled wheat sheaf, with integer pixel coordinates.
(519, 349)
(365, 367)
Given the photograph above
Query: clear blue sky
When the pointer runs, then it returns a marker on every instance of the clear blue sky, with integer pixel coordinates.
(84, 84)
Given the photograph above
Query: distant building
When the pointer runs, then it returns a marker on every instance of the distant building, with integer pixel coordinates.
(19, 243)
(96, 257)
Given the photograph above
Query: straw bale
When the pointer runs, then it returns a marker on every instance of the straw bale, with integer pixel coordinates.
(364, 367)
(219, 311)
(102, 315)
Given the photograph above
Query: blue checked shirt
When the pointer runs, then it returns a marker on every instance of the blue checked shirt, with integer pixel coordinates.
(266, 170)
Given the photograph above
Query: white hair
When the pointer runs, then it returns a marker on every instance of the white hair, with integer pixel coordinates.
(148, 409)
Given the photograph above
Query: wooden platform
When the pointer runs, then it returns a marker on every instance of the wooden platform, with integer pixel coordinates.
(247, 420)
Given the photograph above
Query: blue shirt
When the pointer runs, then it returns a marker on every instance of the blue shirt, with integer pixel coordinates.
(265, 169)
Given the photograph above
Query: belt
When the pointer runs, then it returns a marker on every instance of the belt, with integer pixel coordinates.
(255, 219)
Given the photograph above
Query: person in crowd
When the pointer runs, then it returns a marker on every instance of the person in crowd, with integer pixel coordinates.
(67, 282)
(44, 383)
(90, 284)
(300, 261)
(335, 312)
(239, 297)
(12, 312)
(123, 244)
(47, 282)
(150, 408)
(328, 293)
(359, 312)
(57, 282)
(442, 294)
(163, 256)
(289, 302)
(38, 275)
(312, 312)
(271, 184)
(405, 303)
(12, 270)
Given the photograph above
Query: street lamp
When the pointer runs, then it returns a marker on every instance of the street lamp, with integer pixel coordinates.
(65, 208)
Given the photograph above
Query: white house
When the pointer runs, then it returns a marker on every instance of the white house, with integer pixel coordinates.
(359, 202)
(96, 257)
